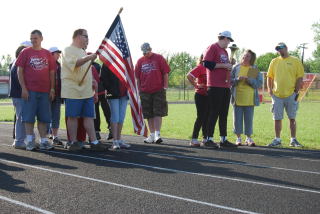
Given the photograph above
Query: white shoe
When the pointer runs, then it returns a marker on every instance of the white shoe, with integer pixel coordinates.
(30, 146)
(115, 145)
(194, 143)
(123, 145)
(157, 139)
(46, 145)
(149, 139)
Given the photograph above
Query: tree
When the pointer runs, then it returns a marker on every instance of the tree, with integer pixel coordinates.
(180, 64)
(4, 65)
(264, 60)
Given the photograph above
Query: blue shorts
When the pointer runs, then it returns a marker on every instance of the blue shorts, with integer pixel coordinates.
(80, 107)
(37, 105)
(55, 113)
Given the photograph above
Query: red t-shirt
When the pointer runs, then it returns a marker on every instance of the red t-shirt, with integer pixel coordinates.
(36, 65)
(150, 71)
(200, 73)
(218, 76)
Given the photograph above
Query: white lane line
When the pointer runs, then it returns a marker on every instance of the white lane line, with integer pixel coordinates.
(187, 172)
(131, 187)
(25, 205)
(226, 162)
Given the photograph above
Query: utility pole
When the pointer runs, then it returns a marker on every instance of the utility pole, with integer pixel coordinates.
(303, 46)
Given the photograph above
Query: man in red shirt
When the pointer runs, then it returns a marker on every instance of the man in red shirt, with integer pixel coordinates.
(152, 74)
(216, 60)
(36, 76)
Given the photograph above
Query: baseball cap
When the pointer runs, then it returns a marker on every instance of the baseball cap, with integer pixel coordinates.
(26, 44)
(145, 47)
(280, 46)
(226, 34)
(54, 49)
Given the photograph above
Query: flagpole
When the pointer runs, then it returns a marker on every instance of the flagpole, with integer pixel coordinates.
(85, 74)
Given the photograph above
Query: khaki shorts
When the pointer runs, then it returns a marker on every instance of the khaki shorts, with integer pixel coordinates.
(154, 105)
(288, 103)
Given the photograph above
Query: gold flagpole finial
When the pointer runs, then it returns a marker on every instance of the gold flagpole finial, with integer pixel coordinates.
(121, 9)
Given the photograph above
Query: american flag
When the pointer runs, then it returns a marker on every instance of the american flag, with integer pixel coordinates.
(115, 54)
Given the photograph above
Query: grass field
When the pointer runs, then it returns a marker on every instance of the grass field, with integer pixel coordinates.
(181, 117)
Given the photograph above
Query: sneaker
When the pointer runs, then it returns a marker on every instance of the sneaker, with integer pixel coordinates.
(19, 145)
(228, 144)
(123, 145)
(115, 145)
(45, 146)
(194, 143)
(274, 143)
(238, 142)
(210, 143)
(30, 146)
(149, 139)
(71, 146)
(57, 141)
(158, 140)
(98, 146)
(295, 143)
(250, 142)
(98, 136)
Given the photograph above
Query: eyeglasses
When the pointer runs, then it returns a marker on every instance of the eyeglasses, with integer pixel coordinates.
(85, 36)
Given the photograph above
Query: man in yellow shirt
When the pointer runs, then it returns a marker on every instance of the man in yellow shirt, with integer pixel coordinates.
(285, 76)
(79, 98)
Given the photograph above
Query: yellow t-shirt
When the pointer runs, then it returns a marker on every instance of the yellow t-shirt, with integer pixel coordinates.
(244, 92)
(72, 75)
(285, 72)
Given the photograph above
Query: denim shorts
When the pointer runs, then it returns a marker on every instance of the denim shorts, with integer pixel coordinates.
(118, 109)
(80, 107)
(37, 105)
(288, 103)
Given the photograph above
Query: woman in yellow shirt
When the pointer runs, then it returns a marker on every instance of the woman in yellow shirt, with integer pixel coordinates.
(245, 81)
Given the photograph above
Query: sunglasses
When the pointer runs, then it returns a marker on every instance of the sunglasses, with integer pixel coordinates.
(280, 47)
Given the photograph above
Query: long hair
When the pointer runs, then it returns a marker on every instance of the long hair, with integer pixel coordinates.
(253, 56)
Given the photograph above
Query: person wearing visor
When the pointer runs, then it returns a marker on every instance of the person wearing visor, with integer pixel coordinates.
(284, 79)
(151, 72)
(216, 60)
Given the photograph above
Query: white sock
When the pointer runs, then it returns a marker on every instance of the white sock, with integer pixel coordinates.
(43, 140)
(223, 138)
(210, 138)
(157, 133)
(95, 142)
(54, 137)
(292, 139)
(239, 139)
(278, 138)
(29, 138)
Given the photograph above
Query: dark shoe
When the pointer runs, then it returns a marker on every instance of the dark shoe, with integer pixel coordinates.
(210, 143)
(71, 146)
(98, 147)
(110, 136)
(98, 136)
(228, 144)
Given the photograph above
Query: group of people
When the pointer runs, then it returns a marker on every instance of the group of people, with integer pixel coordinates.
(219, 82)
(39, 84)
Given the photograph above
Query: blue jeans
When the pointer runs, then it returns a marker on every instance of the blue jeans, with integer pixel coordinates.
(118, 109)
(20, 132)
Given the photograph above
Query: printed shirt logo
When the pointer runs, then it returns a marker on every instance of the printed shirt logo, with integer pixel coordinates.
(224, 58)
(37, 63)
(147, 68)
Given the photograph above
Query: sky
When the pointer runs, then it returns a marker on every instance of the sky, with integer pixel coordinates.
(170, 26)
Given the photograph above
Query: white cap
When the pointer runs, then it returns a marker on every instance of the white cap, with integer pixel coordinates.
(54, 49)
(26, 44)
(226, 34)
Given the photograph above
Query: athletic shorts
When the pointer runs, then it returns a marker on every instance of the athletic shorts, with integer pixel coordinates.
(154, 105)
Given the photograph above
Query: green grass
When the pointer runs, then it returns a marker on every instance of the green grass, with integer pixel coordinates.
(179, 123)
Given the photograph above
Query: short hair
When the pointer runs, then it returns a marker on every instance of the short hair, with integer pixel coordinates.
(19, 49)
(77, 33)
(253, 56)
(37, 32)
